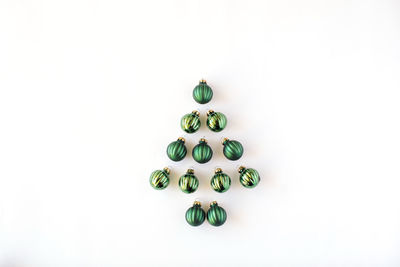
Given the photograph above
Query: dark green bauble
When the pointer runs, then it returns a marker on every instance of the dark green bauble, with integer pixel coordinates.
(233, 150)
(249, 178)
(188, 182)
(159, 179)
(202, 93)
(216, 121)
(202, 152)
(220, 182)
(195, 215)
(216, 215)
(190, 122)
(176, 151)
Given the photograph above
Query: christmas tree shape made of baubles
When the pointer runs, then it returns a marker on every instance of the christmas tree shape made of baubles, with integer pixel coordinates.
(202, 153)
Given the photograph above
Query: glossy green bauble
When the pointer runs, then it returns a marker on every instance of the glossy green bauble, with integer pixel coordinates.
(159, 179)
(249, 178)
(202, 152)
(216, 121)
(216, 215)
(195, 215)
(233, 150)
(220, 182)
(188, 182)
(176, 150)
(190, 123)
(202, 93)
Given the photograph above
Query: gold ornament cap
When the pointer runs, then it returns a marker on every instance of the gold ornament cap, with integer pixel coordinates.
(241, 169)
(218, 170)
(190, 171)
(196, 112)
(167, 170)
(210, 112)
(181, 139)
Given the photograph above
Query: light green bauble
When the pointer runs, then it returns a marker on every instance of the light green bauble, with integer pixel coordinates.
(190, 122)
(233, 150)
(176, 150)
(220, 182)
(216, 121)
(202, 152)
(216, 215)
(249, 177)
(188, 182)
(159, 179)
(195, 215)
(202, 93)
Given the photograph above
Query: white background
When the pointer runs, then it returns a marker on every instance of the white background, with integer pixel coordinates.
(92, 93)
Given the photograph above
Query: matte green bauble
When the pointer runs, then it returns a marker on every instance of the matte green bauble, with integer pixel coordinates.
(188, 182)
(195, 215)
(216, 215)
(216, 121)
(220, 182)
(233, 150)
(202, 152)
(202, 93)
(159, 179)
(176, 150)
(190, 122)
(249, 177)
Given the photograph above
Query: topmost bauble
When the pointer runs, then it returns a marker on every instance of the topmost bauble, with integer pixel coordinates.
(202, 93)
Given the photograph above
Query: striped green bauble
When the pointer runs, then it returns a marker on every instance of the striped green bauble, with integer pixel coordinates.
(233, 150)
(220, 182)
(249, 177)
(202, 93)
(190, 122)
(202, 152)
(159, 179)
(216, 215)
(195, 215)
(216, 121)
(188, 182)
(176, 150)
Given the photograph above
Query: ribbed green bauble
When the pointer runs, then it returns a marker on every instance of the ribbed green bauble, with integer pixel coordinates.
(176, 150)
(159, 179)
(249, 177)
(202, 93)
(188, 182)
(233, 150)
(220, 182)
(216, 121)
(216, 215)
(195, 215)
(202, 152)
(190, 122)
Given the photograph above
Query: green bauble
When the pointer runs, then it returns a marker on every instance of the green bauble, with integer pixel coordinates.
(233, 150)
(216, 121)
(188, 182)
(249, 178)
(216, 215)
(202, 93)
(202, 152)
(220, 182)
(195, 215)
(190, 122)
(159, 179)
(176, 150)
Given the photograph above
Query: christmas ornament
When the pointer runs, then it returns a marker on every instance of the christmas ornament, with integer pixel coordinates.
(249, 178)
(190, 122)
(188, 182)
(176, 150)
(195, 215)
(216, 215)
(202, 152)
(233, 150)
(202, 93)
(220, 182)
(159, 179)
(216, 121)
